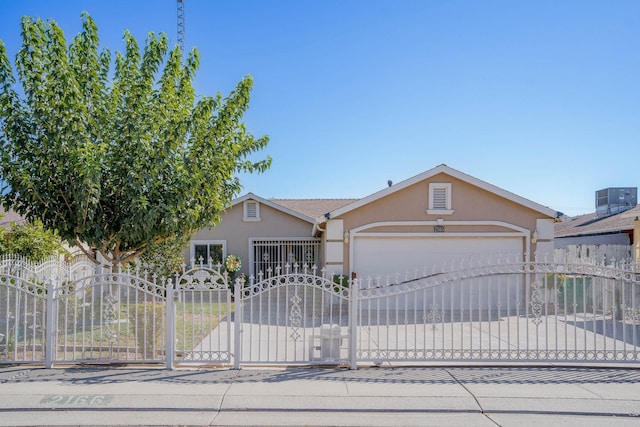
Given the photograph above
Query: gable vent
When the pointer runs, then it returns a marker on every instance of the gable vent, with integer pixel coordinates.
(439, 198)
(252, 210)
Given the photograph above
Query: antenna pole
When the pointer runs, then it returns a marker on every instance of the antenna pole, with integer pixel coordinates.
(181, 24)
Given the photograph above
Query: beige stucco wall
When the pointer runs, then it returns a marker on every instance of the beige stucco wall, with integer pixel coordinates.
(469, 203)
(236, 232)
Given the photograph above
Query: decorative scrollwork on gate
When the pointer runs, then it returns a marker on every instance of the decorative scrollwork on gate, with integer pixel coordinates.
(110, 317)
(537, 304)
(433, 316)
(295, 315)
(203, 278)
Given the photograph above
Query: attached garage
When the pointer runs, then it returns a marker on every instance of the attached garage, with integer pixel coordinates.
(434, 219)
(378, 254)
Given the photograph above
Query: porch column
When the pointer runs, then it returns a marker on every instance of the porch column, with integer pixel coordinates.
(544, 234)
(334, 246)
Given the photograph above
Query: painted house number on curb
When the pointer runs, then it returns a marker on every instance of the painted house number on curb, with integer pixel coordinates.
(82, 399)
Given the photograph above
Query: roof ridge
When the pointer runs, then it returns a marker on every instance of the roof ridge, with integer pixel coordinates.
(314, 198)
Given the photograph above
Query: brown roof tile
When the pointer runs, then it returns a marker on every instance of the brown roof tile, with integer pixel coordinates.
(313, 207)
(590, 224)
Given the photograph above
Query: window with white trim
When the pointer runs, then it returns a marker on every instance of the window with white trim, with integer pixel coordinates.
(208, 251)
(440, 198)
(251, 211)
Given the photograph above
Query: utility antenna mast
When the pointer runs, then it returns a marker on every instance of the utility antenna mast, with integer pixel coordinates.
(181, 24)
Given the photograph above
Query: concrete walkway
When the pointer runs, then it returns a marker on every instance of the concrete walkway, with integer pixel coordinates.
(385, 396)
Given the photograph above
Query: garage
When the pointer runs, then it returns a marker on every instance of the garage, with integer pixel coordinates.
(438, 217)
(383, 255)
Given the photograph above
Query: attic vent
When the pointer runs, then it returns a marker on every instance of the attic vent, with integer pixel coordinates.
(251, 211)
(439, 199)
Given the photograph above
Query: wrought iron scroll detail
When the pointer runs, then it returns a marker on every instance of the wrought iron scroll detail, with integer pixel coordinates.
(295, 315)
(537, 303)
(433, 316)
(110, 319)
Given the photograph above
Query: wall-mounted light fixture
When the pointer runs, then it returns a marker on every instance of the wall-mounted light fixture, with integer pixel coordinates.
(346, 236)
(534, 237)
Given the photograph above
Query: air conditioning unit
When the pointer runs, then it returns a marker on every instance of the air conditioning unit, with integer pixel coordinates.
(610, 201)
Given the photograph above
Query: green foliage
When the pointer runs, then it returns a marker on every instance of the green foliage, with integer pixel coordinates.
(32, 241)
(165, 258)
(117, 158)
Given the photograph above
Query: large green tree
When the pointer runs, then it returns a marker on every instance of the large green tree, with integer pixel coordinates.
(117, 154)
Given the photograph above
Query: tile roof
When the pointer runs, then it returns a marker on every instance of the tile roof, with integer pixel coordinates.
(313, 208)
(590, 224)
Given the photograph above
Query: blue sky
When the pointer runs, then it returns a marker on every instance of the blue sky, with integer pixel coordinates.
(540, 98)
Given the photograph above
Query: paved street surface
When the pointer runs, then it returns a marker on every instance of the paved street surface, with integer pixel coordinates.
(384, 396)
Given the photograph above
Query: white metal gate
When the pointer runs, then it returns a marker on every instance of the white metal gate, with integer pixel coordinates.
(201, 308)
(108, 317)
(504, 311)
(293, 315)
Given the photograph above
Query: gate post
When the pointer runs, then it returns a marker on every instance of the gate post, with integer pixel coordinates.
(50, 327)
(237, 322)
(170, 341)
(353, 325)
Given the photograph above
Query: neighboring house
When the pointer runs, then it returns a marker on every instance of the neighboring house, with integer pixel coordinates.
(439, 216)
(611, 232)
(589, 229)
(7, 218)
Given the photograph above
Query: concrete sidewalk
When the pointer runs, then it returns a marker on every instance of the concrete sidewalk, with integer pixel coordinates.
(443, 396)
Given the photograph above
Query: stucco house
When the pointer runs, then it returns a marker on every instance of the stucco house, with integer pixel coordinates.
(437, 216)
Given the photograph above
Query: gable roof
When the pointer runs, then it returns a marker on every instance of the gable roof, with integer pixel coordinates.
(284, 209)
(589, 224)
(430, 173)
(304, 209)
(313, 207)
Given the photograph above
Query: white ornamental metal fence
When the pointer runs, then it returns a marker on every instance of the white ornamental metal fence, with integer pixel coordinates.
(294, 315)
(504, 312)
(108, 317)
(23, 309)
(488, 312)
(19, 266)
(199, 306)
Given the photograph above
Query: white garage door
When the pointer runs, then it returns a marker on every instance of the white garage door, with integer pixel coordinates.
(398, 255)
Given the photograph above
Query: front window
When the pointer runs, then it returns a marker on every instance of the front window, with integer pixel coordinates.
(208, 252)
(267, 255)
